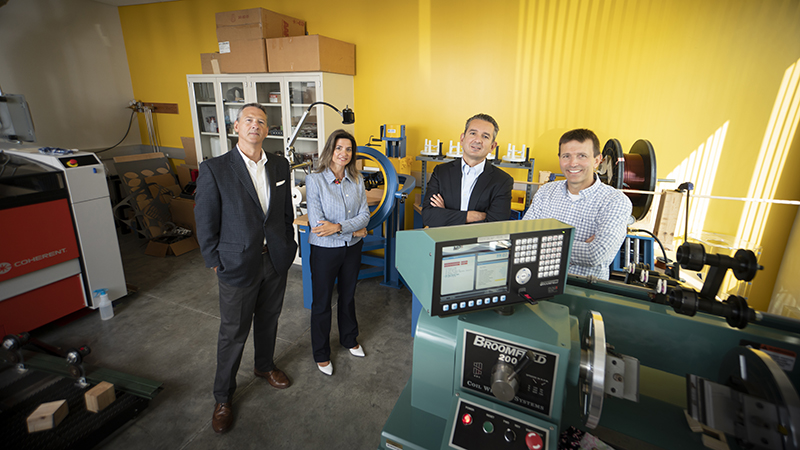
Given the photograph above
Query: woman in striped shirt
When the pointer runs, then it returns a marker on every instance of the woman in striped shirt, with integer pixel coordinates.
(338, 215)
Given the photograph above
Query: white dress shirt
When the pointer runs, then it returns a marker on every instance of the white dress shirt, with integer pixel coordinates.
(258, 175)
(469, 176)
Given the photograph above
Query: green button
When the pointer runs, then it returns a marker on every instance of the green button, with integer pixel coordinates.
(488, 427)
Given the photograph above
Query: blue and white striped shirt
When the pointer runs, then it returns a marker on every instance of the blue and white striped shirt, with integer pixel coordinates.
(344, 203)
(601, 211)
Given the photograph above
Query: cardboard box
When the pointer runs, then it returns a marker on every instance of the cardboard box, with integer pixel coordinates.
(162, 246)
(190, 150)
(184, 175)
(311, 54)
(182, 210)
(249, 56)
(256, 23)
(209, 63)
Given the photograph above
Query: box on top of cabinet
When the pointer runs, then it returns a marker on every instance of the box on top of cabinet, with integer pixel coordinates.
(313, 53)
(256, 23)
(248, 56)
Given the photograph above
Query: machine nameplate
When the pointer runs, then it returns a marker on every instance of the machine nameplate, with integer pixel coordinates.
(482, 352)
(498, 237)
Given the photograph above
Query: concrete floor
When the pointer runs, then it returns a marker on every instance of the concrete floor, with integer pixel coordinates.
(167, 332)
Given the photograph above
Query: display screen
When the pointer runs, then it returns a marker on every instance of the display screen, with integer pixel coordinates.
(16, 123)
(473, 269)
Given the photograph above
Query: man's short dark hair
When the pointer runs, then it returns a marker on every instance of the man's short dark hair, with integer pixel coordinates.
(250, 105)
(487, 118)
(581, 135)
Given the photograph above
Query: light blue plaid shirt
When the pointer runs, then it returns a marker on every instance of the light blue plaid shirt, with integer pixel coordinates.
(344, 203)
(601, 211)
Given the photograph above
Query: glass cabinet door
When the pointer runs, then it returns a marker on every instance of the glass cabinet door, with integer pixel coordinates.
(268, 95)
(301, 95)
(232, 101)
(208, 122)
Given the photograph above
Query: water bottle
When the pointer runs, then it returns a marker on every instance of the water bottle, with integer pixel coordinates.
(106, 307)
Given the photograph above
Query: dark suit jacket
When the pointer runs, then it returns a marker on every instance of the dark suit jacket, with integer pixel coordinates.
(492, 195)
(231, 225)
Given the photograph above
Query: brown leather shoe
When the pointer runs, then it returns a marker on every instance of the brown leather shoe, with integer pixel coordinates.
(276, 378)
(222, 418)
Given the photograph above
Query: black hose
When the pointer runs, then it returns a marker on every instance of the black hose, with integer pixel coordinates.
(130, 122)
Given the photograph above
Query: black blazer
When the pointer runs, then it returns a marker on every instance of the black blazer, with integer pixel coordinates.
(231, 225)
(492, 195)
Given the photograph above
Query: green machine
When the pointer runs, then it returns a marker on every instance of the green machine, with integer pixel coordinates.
(509, 350)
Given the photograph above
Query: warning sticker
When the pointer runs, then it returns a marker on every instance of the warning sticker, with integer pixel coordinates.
(784, 358)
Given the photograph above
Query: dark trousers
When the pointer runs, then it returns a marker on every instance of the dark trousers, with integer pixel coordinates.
(328, 264)
(259, 303)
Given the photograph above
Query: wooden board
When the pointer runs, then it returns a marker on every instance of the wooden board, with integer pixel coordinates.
(47, 416)
(163, 108)
(667, 218)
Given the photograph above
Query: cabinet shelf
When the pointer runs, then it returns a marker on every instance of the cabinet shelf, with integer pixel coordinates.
(307, 87)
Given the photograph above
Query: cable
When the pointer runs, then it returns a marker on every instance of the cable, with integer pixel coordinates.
(130, 122)
(664, 252)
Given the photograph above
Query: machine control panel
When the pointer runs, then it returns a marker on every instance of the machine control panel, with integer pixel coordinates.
(475, 427)
(70, 162)
(509, 371)
(491, 271)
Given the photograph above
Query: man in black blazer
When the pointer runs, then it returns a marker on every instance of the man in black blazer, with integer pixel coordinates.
(469, 190)
(244, 218)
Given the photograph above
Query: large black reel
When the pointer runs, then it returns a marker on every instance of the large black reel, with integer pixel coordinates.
(634, 170)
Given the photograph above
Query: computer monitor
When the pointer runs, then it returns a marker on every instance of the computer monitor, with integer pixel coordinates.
(466, 268)
(16, 123)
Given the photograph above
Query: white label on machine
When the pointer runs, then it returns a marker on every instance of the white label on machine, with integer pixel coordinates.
(784, 358)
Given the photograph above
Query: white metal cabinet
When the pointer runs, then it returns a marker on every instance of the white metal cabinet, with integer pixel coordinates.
(217, 99)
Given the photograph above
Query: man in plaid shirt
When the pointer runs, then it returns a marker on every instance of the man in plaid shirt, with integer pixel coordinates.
(598, 212)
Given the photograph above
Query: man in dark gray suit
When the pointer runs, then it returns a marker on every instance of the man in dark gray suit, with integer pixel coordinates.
(469, 189)
(244, 218)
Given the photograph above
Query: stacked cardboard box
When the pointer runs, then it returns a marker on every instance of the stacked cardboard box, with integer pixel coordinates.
(241, 35)
(258, 40)
(313, 53)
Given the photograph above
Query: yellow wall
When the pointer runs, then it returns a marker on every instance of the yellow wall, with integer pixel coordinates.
(670, 71)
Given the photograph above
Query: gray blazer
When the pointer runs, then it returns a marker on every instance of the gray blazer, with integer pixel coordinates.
(231, 226)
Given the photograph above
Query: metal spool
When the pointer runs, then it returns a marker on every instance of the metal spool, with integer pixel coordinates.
(593, 368)
(754, 372)
(634, 170)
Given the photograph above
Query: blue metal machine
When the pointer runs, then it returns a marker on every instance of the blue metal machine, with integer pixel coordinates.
(510, 351)
(386, 218)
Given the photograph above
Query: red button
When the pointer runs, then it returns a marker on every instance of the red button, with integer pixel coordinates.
(533, 441)
(466, 419)
(72, 163)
